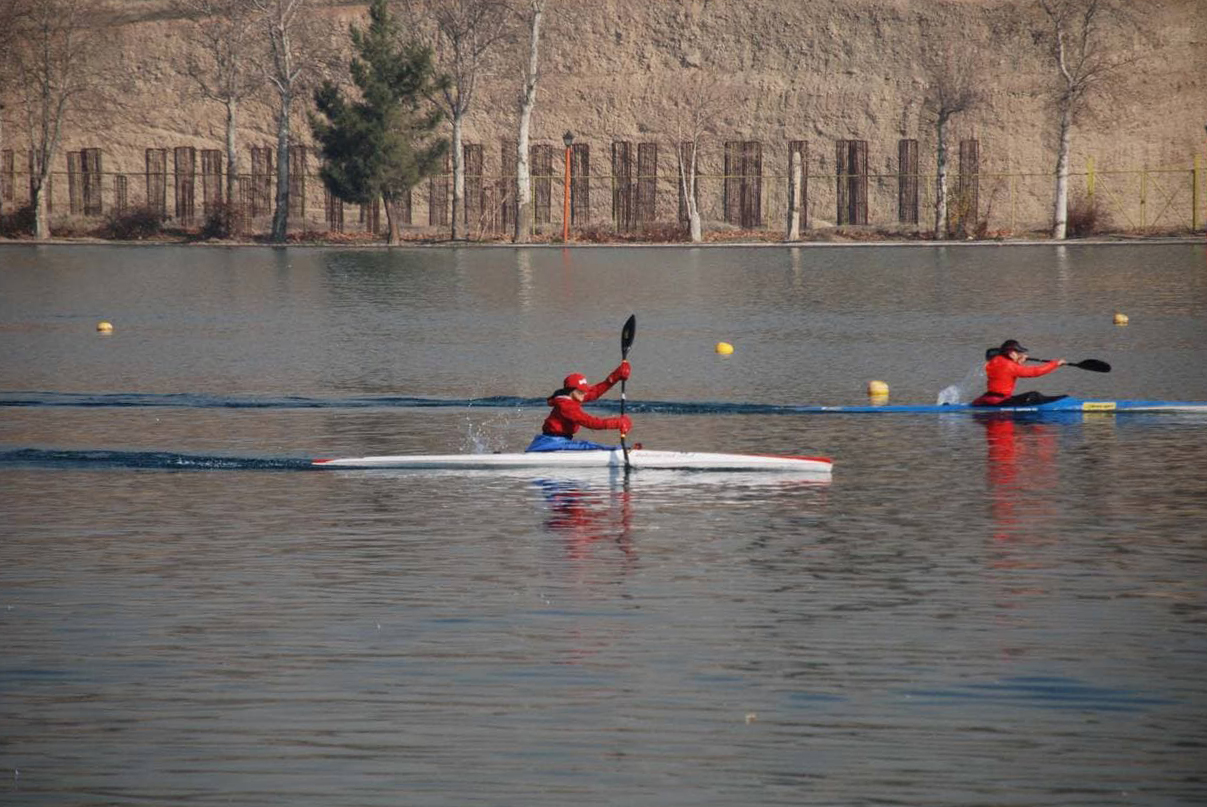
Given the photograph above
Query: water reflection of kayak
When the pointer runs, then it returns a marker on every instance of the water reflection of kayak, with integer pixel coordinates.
(612, 459)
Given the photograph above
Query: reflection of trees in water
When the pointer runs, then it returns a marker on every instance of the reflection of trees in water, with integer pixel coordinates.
(384, 280)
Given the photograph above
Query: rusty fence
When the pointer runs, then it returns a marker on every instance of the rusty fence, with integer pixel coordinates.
(632, 190)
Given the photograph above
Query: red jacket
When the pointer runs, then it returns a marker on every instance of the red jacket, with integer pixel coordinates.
(1002, 372)
(568, 414)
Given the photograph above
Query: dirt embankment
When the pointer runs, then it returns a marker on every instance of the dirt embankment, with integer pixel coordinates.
(817, 71)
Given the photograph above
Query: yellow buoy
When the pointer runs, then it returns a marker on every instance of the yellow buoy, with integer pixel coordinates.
(724, 348)
(105, 327)
(1120, 318)
(877, 389)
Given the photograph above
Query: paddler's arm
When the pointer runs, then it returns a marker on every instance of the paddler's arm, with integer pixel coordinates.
(1034, 371)
(619, 374)
(572, 410)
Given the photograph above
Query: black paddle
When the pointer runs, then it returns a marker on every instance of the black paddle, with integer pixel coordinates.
(626, 341)
(1093, 365)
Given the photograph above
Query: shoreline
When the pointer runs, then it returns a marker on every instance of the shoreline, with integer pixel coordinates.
(1163, 240)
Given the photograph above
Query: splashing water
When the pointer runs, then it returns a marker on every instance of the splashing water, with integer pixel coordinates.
(949, 395)
(966, 389)
(490, 435)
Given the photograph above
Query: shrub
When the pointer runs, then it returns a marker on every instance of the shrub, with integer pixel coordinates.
(17, 223)
(1085, 216)
(646, 233)
(224, 220)
(664, 232)
(134, 225)
(65, 225)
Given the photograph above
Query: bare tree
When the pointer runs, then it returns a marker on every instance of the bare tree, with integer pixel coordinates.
(695, 107)
(534, 11)
(222, 63)
(954, 80)
(12, 20)
(1078, 34)
(12, 14)
(60, 61)
(462, 34)
(297, 51)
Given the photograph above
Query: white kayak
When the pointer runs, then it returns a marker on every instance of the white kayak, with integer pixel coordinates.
(611, 459)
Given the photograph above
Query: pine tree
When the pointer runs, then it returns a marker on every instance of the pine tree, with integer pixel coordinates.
(382, 143)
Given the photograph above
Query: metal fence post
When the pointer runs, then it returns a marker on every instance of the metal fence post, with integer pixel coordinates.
(1194, 195)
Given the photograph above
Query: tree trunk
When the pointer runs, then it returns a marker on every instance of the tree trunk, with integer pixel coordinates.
(232, 156)
(40, 192)
(458, 176)
(523, 190)
(393, 219)
(51, 130)
(693, 209)
(1060, 205)
(687, 174)
(523, 179)
(941, 180)
(42, 206)
(794, 177)
(280, 216)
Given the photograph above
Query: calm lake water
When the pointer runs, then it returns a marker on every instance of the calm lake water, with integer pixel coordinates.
(972, 612)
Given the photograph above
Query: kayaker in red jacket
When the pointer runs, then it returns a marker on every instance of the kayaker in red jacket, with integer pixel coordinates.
(1005, 368)
(557, 432)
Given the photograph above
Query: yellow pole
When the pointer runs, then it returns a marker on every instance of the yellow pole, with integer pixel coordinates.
(1089, 177)
(1013, 207)
(1143, 198)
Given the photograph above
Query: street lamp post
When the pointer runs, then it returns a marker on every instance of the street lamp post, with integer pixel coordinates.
(568, 139)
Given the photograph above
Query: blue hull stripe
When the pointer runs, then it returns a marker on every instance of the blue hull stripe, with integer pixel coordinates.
(1063, 405)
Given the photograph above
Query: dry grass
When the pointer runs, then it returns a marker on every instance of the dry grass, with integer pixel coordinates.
(1086, 219)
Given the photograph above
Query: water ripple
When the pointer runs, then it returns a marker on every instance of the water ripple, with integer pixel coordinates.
(1042, 692)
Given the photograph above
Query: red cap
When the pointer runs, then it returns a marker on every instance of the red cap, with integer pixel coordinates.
(575, 381)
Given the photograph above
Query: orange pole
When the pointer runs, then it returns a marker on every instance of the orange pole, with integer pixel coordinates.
(566, 205)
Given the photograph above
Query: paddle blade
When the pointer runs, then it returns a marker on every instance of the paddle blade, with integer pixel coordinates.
(1093, 365)
(626, 335)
